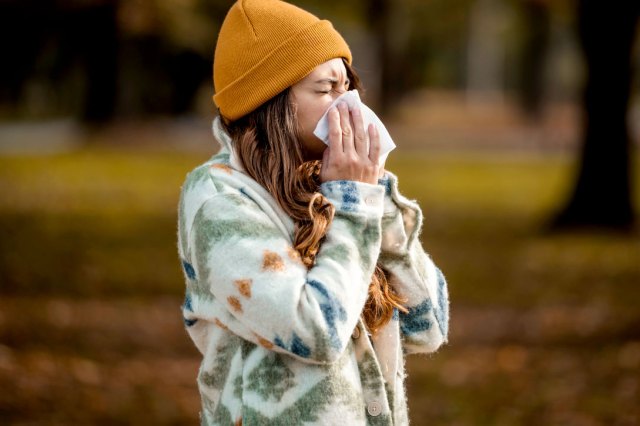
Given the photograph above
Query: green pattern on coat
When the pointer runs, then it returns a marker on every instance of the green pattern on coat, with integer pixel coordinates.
(211, 232)
(364, 235)
(331, 390)
(271, 377)
(338, 252)
(217, 376)
(219, 415)
(369, 372)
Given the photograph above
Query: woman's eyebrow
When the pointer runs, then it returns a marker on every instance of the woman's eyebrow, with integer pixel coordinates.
(328, 80)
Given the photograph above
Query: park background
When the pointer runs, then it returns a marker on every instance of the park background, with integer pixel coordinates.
(517, 125)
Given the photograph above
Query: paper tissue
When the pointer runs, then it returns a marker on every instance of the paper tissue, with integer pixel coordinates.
(351, 98)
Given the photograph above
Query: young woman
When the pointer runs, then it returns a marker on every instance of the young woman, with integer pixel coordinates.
(306, 282)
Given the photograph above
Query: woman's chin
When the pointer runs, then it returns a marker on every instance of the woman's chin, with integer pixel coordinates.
(315, 153)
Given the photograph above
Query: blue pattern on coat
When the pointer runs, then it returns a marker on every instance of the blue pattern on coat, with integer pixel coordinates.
(416, 320)
(442, 313)
(296, 346)
(331, 310)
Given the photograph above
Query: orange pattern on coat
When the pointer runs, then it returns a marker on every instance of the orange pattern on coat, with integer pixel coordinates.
(235, 303)
(272, 261)
(220, 324)
(244, 287)
(223, 167)
(264, 342)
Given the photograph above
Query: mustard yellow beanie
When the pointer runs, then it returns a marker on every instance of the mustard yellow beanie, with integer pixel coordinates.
(265, 46)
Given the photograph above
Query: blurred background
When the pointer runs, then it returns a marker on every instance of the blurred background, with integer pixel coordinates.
(517, 125)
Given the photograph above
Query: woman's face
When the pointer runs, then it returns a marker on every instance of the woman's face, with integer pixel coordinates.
(312, 96)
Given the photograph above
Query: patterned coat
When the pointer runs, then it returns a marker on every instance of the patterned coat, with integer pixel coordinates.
(286, 345)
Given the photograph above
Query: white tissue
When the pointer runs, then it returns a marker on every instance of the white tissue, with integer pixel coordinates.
(351, 98)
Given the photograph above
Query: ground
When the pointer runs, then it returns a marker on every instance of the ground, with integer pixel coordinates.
(545, 328)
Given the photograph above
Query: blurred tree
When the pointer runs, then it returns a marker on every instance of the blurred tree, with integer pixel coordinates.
(63, 36)
(385, 22)
(378, 17)
(418, 44)
(486, 49)
(602, 192)
(438, 40)
(166, 53)
(94, 29)
(536, 25)
(18, 53)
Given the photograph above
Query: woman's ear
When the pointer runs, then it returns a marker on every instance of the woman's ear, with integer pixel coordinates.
(293, 103)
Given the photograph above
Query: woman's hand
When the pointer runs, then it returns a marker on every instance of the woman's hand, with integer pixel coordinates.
(353, 153)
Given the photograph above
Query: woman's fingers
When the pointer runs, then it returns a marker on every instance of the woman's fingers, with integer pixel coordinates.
(335, 131)
(360, 137)
(374, 144)
(353, 153)
(326, 159)
(347, 131)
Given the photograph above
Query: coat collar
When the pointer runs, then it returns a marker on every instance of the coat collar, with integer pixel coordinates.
(226, 143)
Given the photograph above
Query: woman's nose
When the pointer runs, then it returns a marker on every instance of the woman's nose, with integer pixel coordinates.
(335, 94)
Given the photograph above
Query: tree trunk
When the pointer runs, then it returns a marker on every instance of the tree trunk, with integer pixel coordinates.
(602, 195)
(98, 45)
(537, 23)
(383, 16)
(486, 51)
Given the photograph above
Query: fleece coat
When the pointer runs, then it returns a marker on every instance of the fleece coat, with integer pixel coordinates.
(287, 345)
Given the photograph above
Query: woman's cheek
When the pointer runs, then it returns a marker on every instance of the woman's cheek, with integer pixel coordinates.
(320, 112)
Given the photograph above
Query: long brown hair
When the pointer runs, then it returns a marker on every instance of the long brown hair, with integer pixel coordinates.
(267, 143)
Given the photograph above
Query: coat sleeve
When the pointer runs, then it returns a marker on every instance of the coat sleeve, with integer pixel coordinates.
(412, 273)
(247, 278)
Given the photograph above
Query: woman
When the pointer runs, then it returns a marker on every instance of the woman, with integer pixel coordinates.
(306, 282)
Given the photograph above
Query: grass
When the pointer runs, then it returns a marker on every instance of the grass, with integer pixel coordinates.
(102, 219)
(544, 326)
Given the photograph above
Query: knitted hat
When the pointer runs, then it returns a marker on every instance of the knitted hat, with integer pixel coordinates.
(265, 46)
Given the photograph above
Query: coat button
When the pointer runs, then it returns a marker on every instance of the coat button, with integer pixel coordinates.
(356, 333)
(374, 408)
